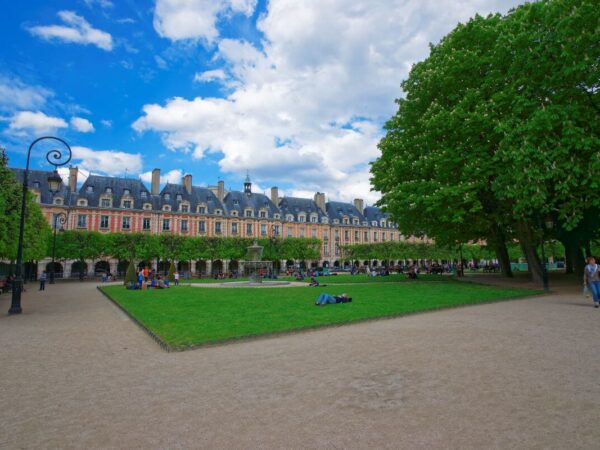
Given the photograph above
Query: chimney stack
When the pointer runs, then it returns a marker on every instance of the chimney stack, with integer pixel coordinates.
(359, 204)
(73, 179)
(187, 183)
(320, 200)
(155, 188)
(221, 190)
(275, 195)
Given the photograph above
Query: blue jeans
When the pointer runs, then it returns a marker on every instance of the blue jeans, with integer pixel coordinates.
(594, 286)
(325, 299)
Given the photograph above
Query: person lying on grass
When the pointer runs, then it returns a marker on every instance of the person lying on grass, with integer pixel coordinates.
(327, 299)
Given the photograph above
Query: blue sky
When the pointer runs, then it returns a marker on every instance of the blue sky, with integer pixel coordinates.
(293, 92)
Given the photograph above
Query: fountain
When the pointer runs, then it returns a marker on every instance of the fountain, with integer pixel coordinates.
(254, 267)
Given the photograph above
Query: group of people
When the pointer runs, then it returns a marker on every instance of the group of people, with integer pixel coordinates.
(149, 279)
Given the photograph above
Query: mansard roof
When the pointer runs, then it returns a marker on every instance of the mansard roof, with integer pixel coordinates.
(240, 201)
(198, 196)
(337, 210)
(296, 205)
(99, 185)
(40, 178)
(372, 213)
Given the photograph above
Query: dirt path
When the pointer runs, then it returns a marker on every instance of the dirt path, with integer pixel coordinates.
(76, 373)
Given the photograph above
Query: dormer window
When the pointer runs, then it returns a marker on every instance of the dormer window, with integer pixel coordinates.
(289, 218)
(374, 223)
(58, 201)
(36, 184)
(325, 219)
(143, 194)
(147, 206)
(236, 201)
(167, 208)
(109, 190)
(89, 189)
(82, 202)
(336, 221)
(167, 197)
(248, 213)
(218, 212)
(301, 218)
(345, 221)
(263, 214)
(201, 209)
(314, 218)
(178, 197)
(354, 221)
(185, 208)
(127, 204)
(105, 203)
(234, 213)
(126, 192)
(276, 216)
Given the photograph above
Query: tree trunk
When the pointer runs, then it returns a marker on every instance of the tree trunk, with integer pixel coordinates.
(498, 243)
(528, 241)
(574, 253)
(568, 260)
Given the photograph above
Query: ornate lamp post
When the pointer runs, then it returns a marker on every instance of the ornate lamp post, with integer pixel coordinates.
(54, 157)
(60, 218)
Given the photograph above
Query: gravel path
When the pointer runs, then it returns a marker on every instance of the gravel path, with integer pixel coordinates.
(76, 373)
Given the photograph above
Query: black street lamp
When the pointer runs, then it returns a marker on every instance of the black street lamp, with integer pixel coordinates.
(60, 218)
(272, 242)
(54, 157)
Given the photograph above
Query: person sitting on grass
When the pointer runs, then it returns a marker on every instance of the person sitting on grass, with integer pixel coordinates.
(160, 283)
(328, 299)
(412, 273)
(313, 281)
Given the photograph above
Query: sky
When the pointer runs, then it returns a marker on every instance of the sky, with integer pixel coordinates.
(295, 93)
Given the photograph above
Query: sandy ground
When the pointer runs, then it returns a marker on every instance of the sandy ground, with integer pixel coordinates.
(76, 373)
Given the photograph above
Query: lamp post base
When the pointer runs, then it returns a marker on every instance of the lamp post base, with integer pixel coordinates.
(15, 306)
(15, 310)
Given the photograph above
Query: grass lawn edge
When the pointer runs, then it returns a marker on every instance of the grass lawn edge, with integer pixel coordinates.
(269, 335)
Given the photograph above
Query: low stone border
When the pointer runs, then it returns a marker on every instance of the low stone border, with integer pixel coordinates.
(135, 320)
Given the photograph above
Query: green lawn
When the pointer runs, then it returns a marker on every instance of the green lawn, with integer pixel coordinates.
(184, 317)
(333, 279)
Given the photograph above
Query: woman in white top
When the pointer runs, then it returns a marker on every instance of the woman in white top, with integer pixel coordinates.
(591, 278)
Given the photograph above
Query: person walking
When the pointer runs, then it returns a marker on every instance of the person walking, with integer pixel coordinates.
(176, 278)
(43, 277)
(591, 279)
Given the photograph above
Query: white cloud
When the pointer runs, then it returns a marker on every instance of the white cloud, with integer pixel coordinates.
(195, 19)
(173, 176)
(106, 123)
(14, 94)
(210, 75)
(307, 108)
(109, 162)
(77, 30)
(82, 125)
(36, 122)
(126, 20)
(82, 175)
(104, 4)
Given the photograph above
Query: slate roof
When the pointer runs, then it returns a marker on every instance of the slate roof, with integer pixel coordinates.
(337, 210)
(99, 184)
(240, 201)
(38, 180)
(198, 196)
(373, 213)
(296, 205)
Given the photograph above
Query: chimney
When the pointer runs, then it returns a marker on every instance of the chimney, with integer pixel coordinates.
(275, 195)
(359, 204)
(155, 188)
(320, 200)
(221, 190)
(187, 183)
(73, 179)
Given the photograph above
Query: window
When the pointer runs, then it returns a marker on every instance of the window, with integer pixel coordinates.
(277, 230)
(355, 221)
(166, 224)
(127, 204)
(126, 224)
(234, 213)
(82, 202)
(248, 229)
(391, 236)
(167, 197)
(302, 232)
(248, 213)
(103, 221)
(178, 197)
(217, 227)
(201, 209)
(346, 235)
(345, 221)
(234, 228)
(58, 201)
(375, 236)
(105, 203)
(185, 208)
(326, 249)
(277, 216)
(289, 218)
(143, 194)
(89, 189)
(184, 226)
(383, 237)
(302, 218)
(126, 192)
(263, 214)
(147, 206)
(289, 231)
(337, 250)
(374, 223)
(313, 219)
(109, 190)
(263, 229)
(314, 232)
(366, 236)
(336, 235)
(167, 208)
(218, 211)
(356, 236)
(146, 223)
(202, 226)
(81, 221)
